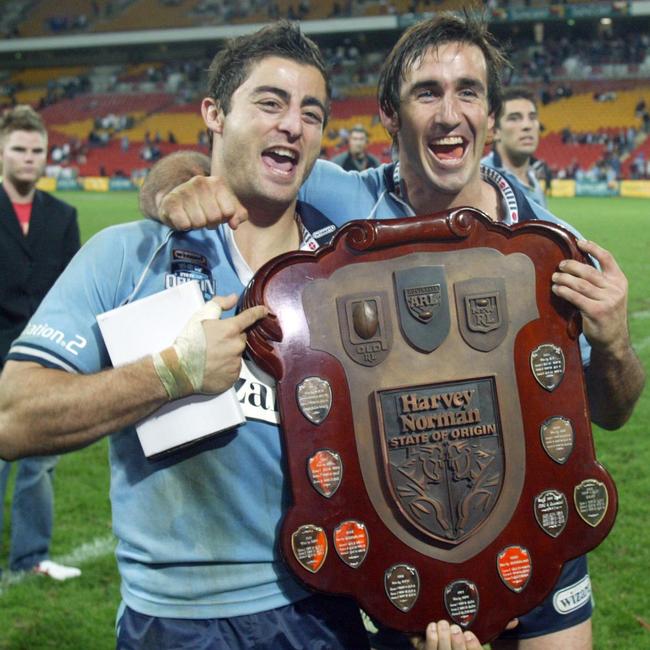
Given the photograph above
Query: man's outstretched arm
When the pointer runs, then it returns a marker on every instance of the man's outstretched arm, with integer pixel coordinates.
(46, 411)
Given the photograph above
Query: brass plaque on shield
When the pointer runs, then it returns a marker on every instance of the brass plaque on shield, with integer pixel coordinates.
(402, 585)
(462, 602)
(557, 438)
(551, 511)
(351, 542)
(309, 544)
(547, 364)
(325, 471)
(591, 501)
(443, 454)
(514, 566)
(314, 397)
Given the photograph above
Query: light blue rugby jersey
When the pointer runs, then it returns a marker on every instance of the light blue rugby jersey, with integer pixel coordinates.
(196, 530)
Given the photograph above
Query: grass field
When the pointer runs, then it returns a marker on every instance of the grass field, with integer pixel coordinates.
(38, 614)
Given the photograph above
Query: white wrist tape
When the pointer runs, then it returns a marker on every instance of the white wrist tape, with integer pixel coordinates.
(181, 368)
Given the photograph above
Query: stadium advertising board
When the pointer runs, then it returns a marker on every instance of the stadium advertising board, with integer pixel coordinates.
(596, 188)
(636, 189)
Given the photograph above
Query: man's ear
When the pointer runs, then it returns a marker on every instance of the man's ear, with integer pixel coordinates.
(389, 122)
(212, 114)
(492, 130)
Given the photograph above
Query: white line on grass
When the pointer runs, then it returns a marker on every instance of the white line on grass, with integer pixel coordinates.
(642, 344)
(99, 547)
(645, 313)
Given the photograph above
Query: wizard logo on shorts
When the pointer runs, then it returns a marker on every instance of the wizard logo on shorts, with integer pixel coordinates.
(423, 306)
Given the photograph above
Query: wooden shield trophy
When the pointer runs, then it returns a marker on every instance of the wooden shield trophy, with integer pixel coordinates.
(434, 417)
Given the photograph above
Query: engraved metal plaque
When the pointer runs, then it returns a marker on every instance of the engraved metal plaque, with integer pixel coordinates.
(309, 544)
(314, 397)
(457, 415)
(443, 454)
(366, 332)
(422, 306)
(551, 511)
(547, 364)
(482, 312)
(591, 500)
(462, 602)
(514, 566)
(351, 542)
(557, 438)
(325, 471)
(402, 585)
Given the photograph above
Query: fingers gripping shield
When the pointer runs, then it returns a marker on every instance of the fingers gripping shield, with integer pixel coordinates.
(434, 418)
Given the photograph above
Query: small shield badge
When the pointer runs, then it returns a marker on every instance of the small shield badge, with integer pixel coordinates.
(482, 312)
(402, 585)
(547, 364)
(351, 542)
(461, 601)
(423, 306)
(551, 511)
(591, 499)
(325, 471)
(314, 397)
(309, 544)
(514, 566)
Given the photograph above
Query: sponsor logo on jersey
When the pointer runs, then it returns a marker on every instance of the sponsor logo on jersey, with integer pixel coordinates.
(573, 597)
(256, 394)
(70, 343)
(187, 266)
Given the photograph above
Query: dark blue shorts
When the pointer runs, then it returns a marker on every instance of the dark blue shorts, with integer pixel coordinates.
(318, 622)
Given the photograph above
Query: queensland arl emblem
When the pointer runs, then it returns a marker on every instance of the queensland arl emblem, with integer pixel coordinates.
(365, 329)
(482, 312)
(443, 455)
(423, 306)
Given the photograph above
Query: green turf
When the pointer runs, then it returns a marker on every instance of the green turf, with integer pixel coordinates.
(79, 615)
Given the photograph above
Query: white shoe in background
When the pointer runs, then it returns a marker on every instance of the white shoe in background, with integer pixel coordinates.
(56, 571)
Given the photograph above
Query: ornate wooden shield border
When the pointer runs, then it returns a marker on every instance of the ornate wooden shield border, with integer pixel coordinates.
(434, 417)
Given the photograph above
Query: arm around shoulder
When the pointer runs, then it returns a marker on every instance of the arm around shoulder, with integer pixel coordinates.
(168, 173)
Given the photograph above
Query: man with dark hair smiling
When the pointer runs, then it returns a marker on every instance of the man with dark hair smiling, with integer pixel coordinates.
(439, 91)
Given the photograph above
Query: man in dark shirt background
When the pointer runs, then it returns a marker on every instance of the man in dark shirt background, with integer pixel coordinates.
(356, 158)
(39, 235)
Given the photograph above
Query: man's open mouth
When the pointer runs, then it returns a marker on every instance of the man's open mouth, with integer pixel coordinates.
(281, 158)
(451, 147)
